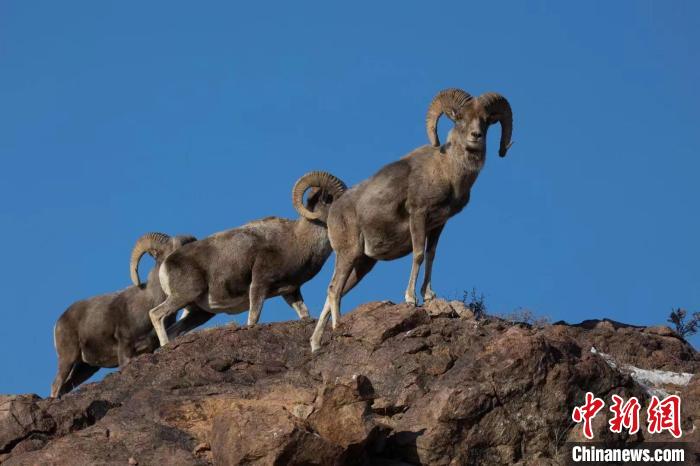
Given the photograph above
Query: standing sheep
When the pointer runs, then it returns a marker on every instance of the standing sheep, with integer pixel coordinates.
(108, 330)
(403, 208)
(238, 269)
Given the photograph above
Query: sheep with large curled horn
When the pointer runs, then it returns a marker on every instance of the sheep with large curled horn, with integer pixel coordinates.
(110, 329)
(238, 269)
(403, 208)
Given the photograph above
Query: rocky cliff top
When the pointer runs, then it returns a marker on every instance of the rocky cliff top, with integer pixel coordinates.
(395, 384)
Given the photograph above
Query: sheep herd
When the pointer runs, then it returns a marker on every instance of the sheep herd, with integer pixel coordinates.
(401, 209)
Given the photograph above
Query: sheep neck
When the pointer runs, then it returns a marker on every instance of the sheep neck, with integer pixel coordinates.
(313, 233)
(463, 168)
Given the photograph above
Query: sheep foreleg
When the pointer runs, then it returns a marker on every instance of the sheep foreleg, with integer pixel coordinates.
(296, 301)
(433, 237)
(417, 226)
(125, 351)
(256, 297)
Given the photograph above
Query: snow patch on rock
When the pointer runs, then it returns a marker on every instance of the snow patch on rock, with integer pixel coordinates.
(650, 380)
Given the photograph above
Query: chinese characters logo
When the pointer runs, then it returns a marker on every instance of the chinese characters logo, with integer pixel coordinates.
(662, 415)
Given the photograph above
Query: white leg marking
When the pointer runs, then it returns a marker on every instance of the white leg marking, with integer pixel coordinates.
(318, 331)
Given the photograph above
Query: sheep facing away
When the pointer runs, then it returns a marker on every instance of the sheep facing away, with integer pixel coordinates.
(110, 329)
(403, 208)
(236, 270)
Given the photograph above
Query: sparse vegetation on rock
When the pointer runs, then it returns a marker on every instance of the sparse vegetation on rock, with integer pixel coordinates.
(475, 301)
(525, 316)
(684, 328)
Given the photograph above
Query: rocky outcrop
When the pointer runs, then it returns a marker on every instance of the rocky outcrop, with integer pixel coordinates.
(395, 384)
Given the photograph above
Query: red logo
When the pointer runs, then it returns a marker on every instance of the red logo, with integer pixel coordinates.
(664, 415)
(625, 415)
(661, 415)
(587, 412)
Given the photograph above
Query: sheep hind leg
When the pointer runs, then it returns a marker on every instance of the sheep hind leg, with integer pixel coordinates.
(158, 315)
(192, 317)
(417, 225)
(66, 342)
(80, 373)
(361, 268)
(59, 383)
(343, 268)
(296, 302)
(320, 325)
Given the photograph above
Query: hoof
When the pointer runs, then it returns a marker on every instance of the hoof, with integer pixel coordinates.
(315, 347)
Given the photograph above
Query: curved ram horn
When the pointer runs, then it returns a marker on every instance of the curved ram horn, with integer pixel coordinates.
(498, 110)
(324, 180)
(451, 102)
(151, 243)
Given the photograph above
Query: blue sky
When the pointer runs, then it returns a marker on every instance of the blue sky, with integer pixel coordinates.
(118, 118)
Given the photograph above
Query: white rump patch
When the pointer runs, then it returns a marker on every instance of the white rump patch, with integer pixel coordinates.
(164, 279)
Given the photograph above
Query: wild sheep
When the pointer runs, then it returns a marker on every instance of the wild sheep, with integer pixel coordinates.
(405, 205)
(239, 268)
(108, 330)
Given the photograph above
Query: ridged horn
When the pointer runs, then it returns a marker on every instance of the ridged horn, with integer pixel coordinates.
(316, 179)
(498, 109)
(150, 243)
(451, 102)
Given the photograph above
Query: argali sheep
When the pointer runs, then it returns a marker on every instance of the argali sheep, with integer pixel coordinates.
(108, 330)
(236, 270)
(403, 208)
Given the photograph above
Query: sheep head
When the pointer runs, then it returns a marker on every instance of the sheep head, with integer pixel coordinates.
(323, 189)
(472, 118)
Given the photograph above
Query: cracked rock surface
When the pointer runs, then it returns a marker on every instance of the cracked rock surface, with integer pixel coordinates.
(393, 385)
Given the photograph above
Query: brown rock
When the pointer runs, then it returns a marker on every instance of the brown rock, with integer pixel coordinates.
(662, 330)
(393, 385)
(21, 419)
(344, 414)
(605, 325)
(201, 447)
(440, 307)
(255, 432)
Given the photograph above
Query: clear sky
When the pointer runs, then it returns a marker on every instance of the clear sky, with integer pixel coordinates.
(118, 118)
